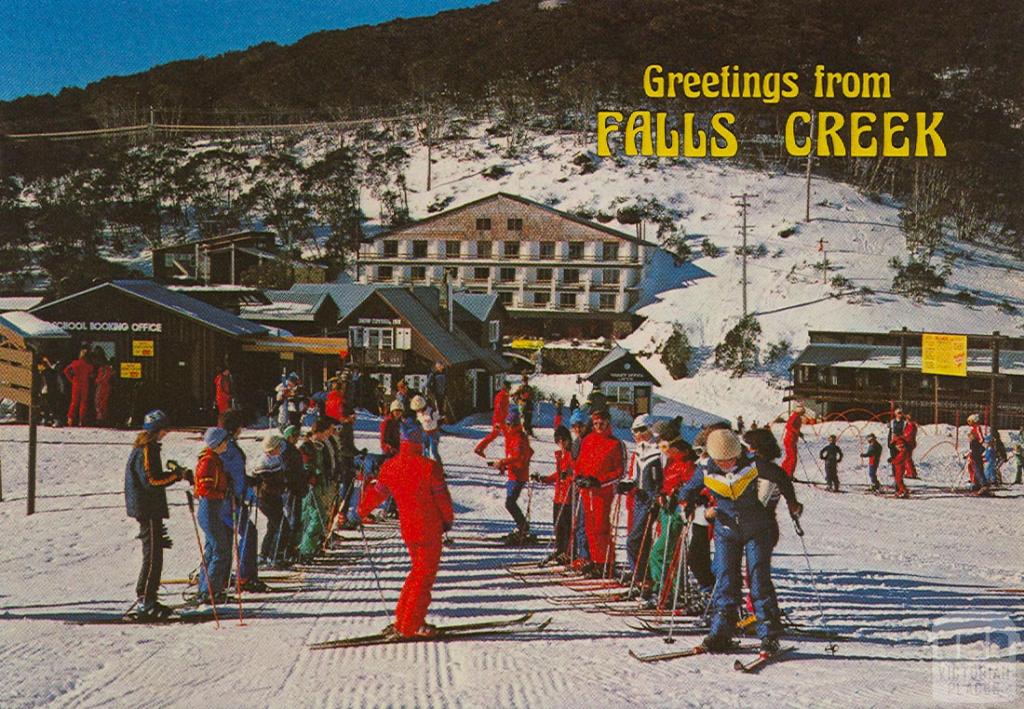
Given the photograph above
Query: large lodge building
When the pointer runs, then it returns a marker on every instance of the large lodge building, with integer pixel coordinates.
(557, 275)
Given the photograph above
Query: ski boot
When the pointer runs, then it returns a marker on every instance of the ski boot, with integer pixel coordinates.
(255, 586)
(151, 614)
(769, 647)
(717, 643)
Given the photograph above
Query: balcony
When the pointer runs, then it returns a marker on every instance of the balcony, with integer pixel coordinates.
(373, 256)
(373, 357)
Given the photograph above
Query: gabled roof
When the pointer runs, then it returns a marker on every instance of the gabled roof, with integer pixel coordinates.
(858, 356)
(347, 296)
(619, 357)
(29, 327)
(476, 306)
(522, 200)
(19, 302)
(220, 239)
(175, 302)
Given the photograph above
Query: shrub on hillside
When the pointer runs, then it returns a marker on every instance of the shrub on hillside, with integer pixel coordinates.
(676, 354)
(737, 353)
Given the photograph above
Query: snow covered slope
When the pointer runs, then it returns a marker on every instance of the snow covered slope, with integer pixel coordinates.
(885, 568)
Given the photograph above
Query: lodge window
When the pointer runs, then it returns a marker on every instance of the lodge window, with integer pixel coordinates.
(512, 248)
(571, 275)
(610, 252)
(547, 249)
(483, 249)
(419, 273)
(807, 374)
(419, 248)
(391, 249)
(453, 249)
(618, 393)
(575, 250)
(385, 273)
(505, 298)
(506, 274)
(515, 224)
(493, 330)
(481, 274)
(542, 299)
(834, 378)
(607, 301)
(544, 275)
(380, 338)
(567, 300)
(483, 224)
(821, 376)
(610, 276)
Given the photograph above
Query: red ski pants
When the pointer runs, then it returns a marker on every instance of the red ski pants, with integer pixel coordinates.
(789, 461)
(597, 510)
(488, 439)
(899, 469)
(78, 411)
(415, 597)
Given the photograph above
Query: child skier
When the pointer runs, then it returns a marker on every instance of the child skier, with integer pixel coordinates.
(833, 456)
(991, 460)
(561, 514)
(516, 464)
(430, 421)
(873, 454)
(899, 466)
(789, 439)
(743, 524)
(145, 500)
(643, 485)
(212, 489)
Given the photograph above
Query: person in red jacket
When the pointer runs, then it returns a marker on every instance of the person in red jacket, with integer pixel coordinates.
(223, 390)
(103, 376)
(789, 440)
(910, 436)
(600, 466)
(516, 464)
(425, 513)
(501, 406)
(79, 373)
(390, 427)
(334, 404)
(899, 466)
(561, 515)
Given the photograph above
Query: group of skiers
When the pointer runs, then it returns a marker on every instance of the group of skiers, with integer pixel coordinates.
(77, 394)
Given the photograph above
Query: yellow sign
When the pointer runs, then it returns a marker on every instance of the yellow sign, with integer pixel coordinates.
(527, 344)
(142, 348)
(944, 354)
(287, 355)
(131, 370)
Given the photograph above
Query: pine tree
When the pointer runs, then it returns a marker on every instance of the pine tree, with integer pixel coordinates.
(738, 352)
(676, 354)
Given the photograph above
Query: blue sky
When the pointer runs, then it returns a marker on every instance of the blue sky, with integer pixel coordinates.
(46, 45)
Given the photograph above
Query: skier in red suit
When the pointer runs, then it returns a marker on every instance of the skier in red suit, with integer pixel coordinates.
(516, 464)
(222, 386)
(789, 440)
(79, 373)
(425, 514)
(501, 402)
(910, 436)
(104, 374)
(599, 467)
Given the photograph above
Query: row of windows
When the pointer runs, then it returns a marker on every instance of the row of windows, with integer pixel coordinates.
(512, 224)
(380, 338)
(606, 301)
(510, 249)
(570, 276)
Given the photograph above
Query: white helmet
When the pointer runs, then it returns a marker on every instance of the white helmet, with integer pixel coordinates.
(641, 422)
(418, 403)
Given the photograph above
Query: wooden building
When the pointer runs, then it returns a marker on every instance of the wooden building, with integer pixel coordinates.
(557, 275)
(859, 374)
(625, 382)
(224, 259)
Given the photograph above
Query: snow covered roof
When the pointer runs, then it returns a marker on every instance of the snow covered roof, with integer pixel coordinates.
(347, 296)
(281, 310)
(29, 326)
(19, 302)
(179, 303)
(619, 358)
(476, 305)
(857, 356)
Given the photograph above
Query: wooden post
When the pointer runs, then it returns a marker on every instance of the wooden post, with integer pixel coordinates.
(936, 376)
(32, 434)
(993, 402)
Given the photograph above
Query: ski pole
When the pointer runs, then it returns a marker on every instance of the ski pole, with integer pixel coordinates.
(664, 555)
(235, 515)
(529, 503)
(202, 556)
(641, 555)
(373, 568)
(679, 574)
(831, 647)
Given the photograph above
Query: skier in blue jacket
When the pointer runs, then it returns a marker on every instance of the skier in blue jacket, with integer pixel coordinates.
(744, 523)
(242, 492)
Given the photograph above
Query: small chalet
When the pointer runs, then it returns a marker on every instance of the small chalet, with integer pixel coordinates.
(624, 381)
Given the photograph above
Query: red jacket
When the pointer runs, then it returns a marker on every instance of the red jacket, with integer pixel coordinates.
(222, 385)
(517, 455)
(334, 404)
(601, 457)
(500, 407)
(562, 477)
(677, 473)
(796, 420)
(79, 373)
(910, 433)
(417, 484)
(211, 480)
(390, 435)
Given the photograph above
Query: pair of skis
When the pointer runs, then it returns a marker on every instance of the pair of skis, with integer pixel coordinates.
(513, 626)
(762, 659)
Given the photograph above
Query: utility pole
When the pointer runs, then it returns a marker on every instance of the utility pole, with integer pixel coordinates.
(743, 230)
(810, 160)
